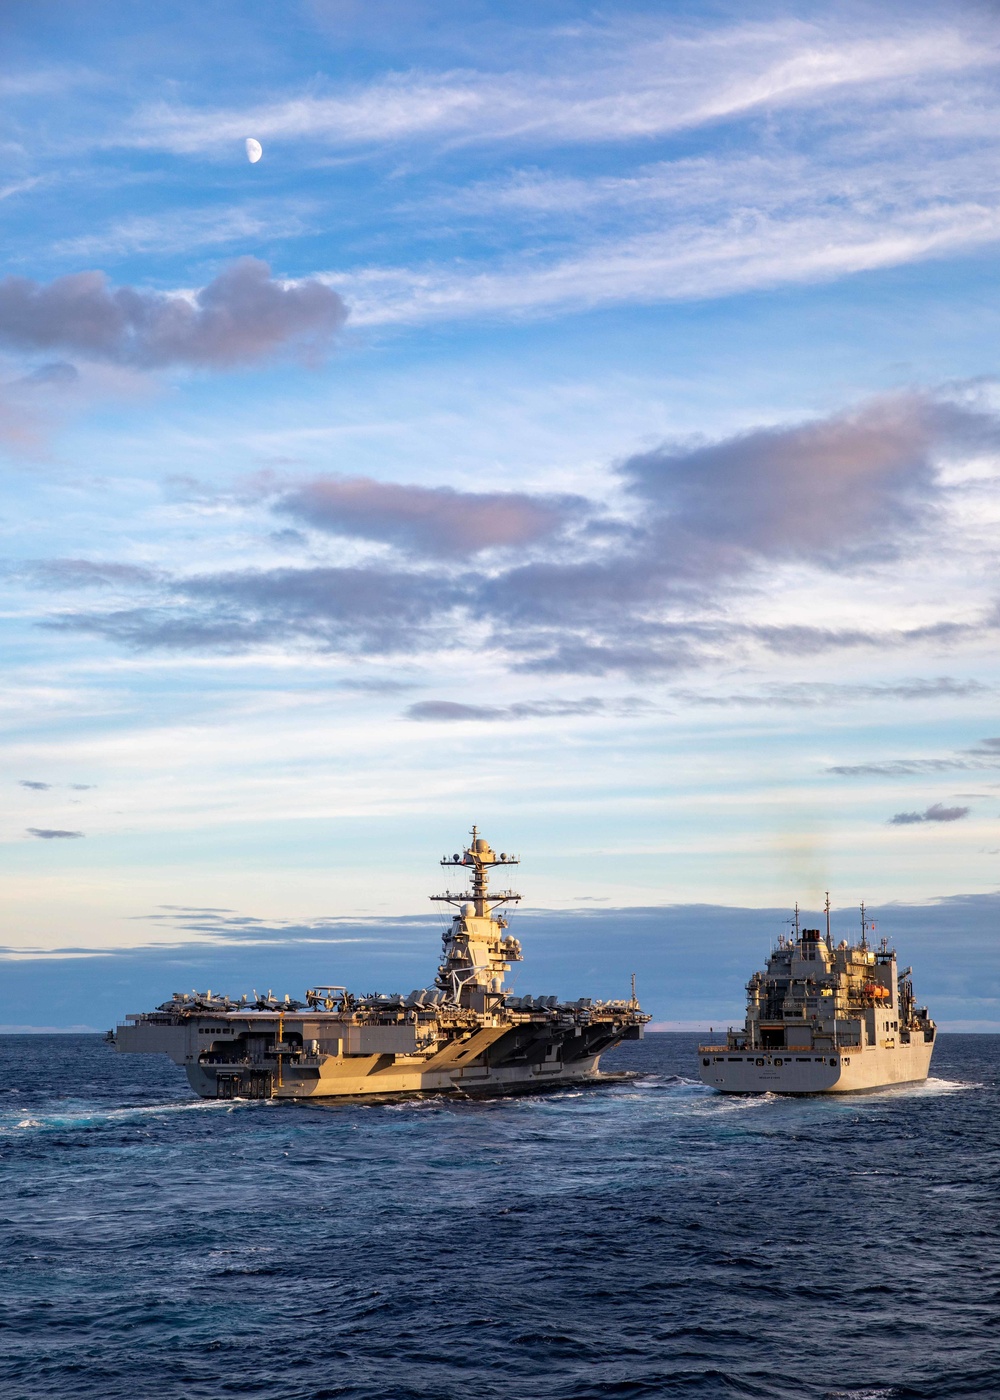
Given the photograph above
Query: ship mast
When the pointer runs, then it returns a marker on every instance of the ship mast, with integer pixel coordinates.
(475, 953)
(478, 858)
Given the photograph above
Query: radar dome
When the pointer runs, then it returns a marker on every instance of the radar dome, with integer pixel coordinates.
(468, 910)
(482, 844)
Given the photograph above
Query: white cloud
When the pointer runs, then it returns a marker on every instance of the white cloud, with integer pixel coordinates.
(47, 82)
(688, 261)
(20, 186)
(882, 157)
(857, 190)
(624, 92)
(184, 229)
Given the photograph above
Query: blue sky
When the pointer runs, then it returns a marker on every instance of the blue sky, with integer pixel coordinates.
(582, 421)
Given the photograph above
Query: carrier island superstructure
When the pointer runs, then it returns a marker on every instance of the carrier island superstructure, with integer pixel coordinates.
(824, 1019)
(468, 1033)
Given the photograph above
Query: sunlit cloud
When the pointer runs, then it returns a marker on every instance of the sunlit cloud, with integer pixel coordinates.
(640, 595)
(242, 316)
(434, 520)
(621, 503)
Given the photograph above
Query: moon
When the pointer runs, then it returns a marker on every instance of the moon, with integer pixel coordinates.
(254, 150)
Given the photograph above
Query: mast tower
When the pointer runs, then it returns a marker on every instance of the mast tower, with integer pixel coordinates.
(476, 954)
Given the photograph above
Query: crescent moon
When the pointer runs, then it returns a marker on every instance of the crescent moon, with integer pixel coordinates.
(254, 150)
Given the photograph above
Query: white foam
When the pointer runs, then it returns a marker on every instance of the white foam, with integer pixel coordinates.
(929, 1087)
(865, 1393)
(95, 1117)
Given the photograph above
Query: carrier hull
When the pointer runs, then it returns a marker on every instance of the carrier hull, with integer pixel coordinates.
(340, 1081)
(260, 1055)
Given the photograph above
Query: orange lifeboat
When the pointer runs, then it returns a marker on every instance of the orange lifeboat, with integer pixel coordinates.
(876, 991)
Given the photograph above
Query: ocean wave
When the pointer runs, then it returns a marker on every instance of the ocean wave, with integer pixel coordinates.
(98, 1117)
(650, 1239)
(865, 1393)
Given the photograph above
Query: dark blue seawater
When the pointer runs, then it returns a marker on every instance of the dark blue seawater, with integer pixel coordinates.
(652, 1239)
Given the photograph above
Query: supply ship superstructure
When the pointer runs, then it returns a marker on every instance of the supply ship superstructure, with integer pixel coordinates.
(824, 1019)
(468, 1033)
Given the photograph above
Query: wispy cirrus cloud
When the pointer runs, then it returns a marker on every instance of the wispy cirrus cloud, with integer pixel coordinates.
(454, 712)
(185, 924)
(354, 610)
(183, 230)
(607, 88)
(813, 694)
(703, 259)
(16, 187)
(873, 176)
(879, 155)
(83, 573)
(984, 755)
(906, 767)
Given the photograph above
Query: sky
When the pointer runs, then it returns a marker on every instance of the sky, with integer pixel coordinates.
(582, 421)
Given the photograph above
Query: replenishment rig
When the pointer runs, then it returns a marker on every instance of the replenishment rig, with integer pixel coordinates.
(824, 1019)
(466, 1034)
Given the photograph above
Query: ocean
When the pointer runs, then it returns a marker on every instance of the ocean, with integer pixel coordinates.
(643, 1240)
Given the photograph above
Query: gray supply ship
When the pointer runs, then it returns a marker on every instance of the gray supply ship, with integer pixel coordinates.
(823, 1019)
(467, 1033)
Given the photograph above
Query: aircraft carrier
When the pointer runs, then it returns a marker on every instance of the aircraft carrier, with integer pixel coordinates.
(824, 1019)
(467, 1034)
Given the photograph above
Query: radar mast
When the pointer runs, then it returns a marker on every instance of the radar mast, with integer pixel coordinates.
(475, 954)
(479, 858)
